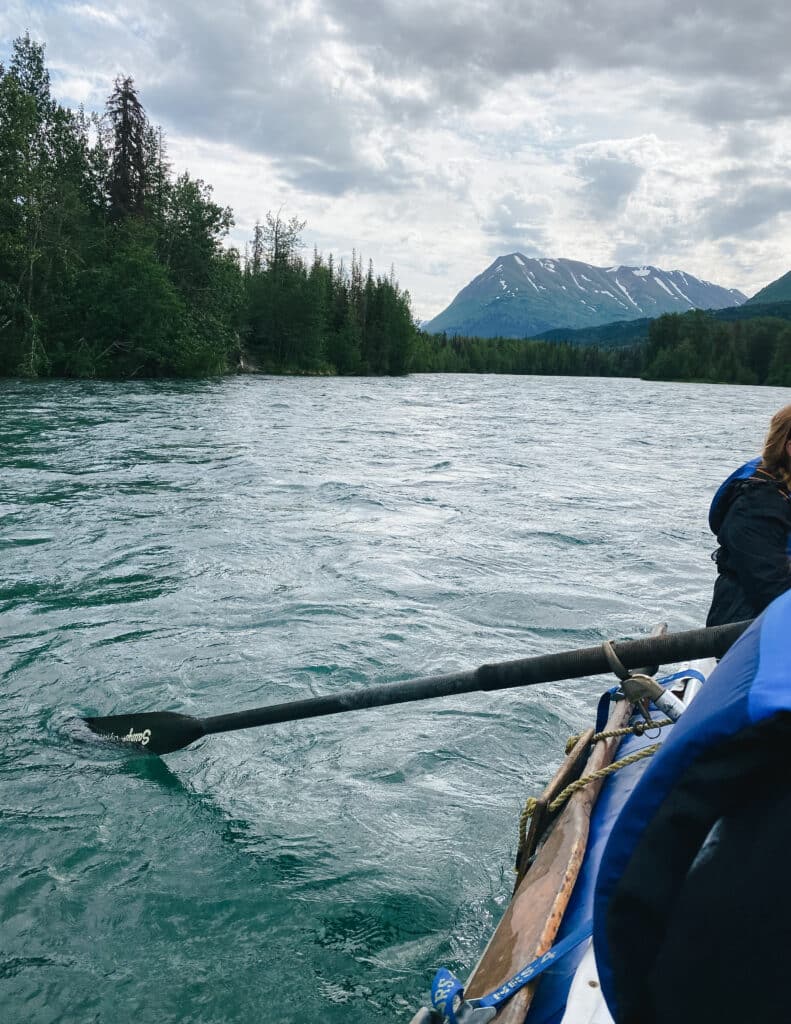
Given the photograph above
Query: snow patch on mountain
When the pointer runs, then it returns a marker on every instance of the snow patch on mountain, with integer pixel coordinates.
(628, 296)
(683, 296)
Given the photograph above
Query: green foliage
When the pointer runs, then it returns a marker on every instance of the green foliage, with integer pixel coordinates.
(107, 266)
(110, 267)
(703, 347)
(321, 319)
(127, 181)
(439, 353)
(130, 311)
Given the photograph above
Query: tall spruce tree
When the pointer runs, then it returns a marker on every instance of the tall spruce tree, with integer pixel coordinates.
(130, 146)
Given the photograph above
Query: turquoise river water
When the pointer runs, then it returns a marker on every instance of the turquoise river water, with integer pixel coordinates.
(208, 547)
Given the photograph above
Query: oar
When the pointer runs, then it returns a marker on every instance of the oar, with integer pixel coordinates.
(162, 732)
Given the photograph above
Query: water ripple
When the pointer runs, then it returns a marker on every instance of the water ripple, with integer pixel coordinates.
(207, 547)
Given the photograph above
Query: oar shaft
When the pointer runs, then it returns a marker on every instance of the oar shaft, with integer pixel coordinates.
(349, 700)
(545, 668)
(591, 661)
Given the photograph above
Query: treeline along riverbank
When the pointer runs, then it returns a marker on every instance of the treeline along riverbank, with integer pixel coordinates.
(694, 346)
(112, 266)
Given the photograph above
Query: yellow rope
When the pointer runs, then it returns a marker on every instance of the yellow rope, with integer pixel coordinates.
(637, 729)
(527, 813)
(602, 773)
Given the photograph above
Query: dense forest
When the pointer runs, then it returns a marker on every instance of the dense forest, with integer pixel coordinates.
(112, 266)
(108, 265)
(698, 346)
(694, 346)
(438, 353)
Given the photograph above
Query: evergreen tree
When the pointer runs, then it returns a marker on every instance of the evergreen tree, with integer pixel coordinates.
(110, 267)
(779, 371)
(42, 165)
(156, 176)
(127, 182)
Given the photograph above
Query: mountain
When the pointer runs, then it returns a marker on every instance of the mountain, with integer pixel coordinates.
(624, 333)
(519, 297)
(777, 291)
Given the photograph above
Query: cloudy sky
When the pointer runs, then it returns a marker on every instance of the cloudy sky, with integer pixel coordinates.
(437, 134)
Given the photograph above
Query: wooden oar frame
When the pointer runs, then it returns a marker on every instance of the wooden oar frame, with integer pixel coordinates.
(548, 869)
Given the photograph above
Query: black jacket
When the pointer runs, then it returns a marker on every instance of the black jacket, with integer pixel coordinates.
(753, 526)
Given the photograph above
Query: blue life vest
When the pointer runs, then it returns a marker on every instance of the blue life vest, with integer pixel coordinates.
(739, 723)
(742, 473)
(719, 502)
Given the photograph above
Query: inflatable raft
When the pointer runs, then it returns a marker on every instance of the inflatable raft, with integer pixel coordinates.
(606, 850)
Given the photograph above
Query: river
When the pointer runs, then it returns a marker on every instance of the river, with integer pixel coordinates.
(212, 546)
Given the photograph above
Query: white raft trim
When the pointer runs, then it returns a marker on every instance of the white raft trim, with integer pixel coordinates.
(585, 1004)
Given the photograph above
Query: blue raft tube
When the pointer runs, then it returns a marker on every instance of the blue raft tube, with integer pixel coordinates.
(592, 971)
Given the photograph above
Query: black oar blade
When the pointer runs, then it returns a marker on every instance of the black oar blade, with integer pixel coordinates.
(157, 732)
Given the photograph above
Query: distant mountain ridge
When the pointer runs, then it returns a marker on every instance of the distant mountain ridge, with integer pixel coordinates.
(518, 296)
(776, 291)
(624, 333)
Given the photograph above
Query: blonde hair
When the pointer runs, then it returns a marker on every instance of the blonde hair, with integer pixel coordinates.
(773, 457)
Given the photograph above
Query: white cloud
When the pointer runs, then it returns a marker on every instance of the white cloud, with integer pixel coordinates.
(434, 134)
(94, 13)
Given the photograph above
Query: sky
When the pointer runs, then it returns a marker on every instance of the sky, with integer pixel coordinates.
(435, 135)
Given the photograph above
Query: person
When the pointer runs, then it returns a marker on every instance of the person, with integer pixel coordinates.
(751, 517)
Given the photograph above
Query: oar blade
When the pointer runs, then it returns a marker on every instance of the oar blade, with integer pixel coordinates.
(156, 732)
